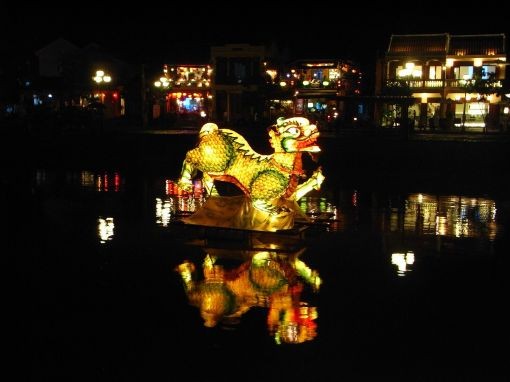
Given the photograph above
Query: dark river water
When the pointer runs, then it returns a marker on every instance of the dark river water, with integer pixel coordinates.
(386, 280)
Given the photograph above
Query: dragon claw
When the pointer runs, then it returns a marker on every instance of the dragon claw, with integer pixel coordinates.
(319, 178)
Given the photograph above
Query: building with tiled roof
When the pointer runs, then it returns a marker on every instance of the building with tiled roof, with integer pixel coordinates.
(477, 45)
(425, 45)
(453, 81)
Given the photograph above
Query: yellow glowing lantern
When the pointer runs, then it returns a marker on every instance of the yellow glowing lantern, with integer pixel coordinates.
(270, 184)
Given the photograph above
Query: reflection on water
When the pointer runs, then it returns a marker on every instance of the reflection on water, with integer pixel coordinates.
(402, 261)
(105, 229)
(267, 280)
(420, 214)
(164, 211)
(100, 181)
(177, 202)
(318, 208)
(455, 216)
(197, 190)
(411, 267)
(173, 207)
(65, 195)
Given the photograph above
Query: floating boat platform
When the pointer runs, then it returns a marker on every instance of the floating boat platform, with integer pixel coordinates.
(282, 241)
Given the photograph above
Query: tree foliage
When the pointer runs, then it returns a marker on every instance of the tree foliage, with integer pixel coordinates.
(397, 88)
(484, 84)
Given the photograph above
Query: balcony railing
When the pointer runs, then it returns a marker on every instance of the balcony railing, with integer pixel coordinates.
(431, 84)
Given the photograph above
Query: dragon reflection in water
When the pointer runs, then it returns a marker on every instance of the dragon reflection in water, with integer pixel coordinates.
(267, 280)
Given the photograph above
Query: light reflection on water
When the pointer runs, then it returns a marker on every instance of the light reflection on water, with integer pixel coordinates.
(99, 181)
(71, 187)
(171, 208)
(417, 214)
(105, 229)
(112, 207)
(399, 217)
(454, 216)
(403, 261)
(266, 280)
(420, 214)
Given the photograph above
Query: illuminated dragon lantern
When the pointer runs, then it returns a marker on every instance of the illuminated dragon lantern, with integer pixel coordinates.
(271, 184)
(265, 281)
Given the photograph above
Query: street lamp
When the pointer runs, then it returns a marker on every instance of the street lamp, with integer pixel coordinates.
(101, 76)
(163, 83)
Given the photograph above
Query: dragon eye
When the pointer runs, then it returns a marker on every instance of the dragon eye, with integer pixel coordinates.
(293, 130)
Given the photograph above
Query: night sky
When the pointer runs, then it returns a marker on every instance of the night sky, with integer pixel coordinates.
(184, 31)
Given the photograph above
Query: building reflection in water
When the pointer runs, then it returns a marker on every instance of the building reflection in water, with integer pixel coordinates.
(402, 261)
(177, 202)
(267, 280)
(105, 229)
(164, 211)
(455, 216)
(420, 214)
(406, 222)
(101, 182)
(73, 184)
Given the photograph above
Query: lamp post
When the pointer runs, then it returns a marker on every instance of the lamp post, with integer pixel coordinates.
(162, 85)
(101, 77)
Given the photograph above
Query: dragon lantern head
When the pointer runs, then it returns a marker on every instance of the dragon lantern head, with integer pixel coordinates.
(294, 135)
